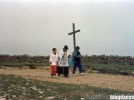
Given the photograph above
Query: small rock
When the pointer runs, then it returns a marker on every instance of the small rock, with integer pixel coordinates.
(50, 98)
(24, 93)
(14, 96)
(27, 83)
(34, 88)
(40, 92)
(49, 89)
(41, 96)
(89, 71)
(23, 88)
(82, 98)
(65, 98)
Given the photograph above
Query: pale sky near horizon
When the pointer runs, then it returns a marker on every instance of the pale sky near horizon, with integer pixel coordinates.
(34, 27)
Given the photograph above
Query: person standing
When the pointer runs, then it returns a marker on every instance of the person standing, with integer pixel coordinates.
(63, 67)
(76, 57)
(53, 62)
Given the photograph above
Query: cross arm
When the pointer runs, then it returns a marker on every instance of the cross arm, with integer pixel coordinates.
(74, 32)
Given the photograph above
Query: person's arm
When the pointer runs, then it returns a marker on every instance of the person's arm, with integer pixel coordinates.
(50, 59)
(61, 54)
(68, 54)
(80, 55)
(75, 55)
(57, 60)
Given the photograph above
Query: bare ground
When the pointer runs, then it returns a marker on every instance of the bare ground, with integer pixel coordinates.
(118, 82)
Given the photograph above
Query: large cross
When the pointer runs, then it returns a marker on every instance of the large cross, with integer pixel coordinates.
(74, 40)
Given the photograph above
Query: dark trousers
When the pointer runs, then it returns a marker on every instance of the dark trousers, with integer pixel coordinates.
(77, 63)
(63, 70)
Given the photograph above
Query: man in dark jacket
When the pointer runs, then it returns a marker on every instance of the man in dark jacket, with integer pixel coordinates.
(76, 57)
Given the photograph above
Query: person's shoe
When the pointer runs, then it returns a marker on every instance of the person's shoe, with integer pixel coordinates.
(74, 74)
(66, 76)
(58, 74)
(81, 73)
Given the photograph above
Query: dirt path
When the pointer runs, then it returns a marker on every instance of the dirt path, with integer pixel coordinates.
(92, 79)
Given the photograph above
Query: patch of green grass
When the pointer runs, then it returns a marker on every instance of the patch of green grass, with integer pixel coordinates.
(20, 88)
(111, 68)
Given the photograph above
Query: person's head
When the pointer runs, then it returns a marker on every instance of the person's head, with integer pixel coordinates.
(77, 48)
(54, 50)
(65, 48)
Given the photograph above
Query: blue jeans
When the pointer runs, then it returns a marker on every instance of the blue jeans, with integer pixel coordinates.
(79, 66)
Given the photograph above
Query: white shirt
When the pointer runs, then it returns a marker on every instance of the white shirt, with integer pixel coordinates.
(53, 59)
(63, 59)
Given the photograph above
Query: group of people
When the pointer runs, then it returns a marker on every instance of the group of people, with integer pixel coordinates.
(59, 62)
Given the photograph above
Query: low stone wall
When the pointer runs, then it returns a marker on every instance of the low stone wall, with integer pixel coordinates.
(24, 58)
(103, 59)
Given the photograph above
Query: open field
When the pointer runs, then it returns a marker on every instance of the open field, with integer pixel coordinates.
(125, 83)
(27, 80)
(18, 88)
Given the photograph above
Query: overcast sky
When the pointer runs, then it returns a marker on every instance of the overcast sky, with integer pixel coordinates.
(34, 27)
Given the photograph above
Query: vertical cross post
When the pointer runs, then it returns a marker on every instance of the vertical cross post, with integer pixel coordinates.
(74, 39)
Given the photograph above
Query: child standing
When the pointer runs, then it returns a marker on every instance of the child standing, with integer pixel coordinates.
(77, 60)
(53, 62)
(63, 67)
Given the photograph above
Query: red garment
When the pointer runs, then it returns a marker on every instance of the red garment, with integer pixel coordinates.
(53, 70)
